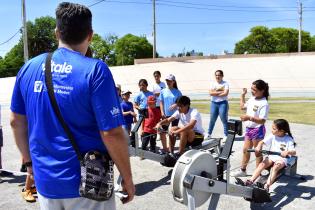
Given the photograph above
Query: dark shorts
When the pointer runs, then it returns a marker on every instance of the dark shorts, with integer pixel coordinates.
(1, 138)
(255, 133)
(173, 124)
(197, 140)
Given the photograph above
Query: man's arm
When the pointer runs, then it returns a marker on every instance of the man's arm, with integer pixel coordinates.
(19, 127)
(189, 126)
(115, 141)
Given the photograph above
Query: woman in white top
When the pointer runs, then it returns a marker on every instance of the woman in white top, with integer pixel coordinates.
(280, 140)
(219, 103)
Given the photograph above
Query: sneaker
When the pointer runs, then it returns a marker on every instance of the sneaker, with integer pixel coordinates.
(239, 173)
(207, 136)
(27, 195)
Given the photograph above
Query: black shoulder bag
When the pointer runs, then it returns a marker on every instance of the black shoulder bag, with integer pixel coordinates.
(97, 174)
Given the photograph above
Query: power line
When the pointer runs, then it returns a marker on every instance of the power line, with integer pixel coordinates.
(225, 10)
(173, 4)
(96, 3)
(224, 6)
(223, 22)
(11, 37)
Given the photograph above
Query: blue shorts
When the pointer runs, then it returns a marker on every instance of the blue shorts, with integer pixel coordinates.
(255, 133)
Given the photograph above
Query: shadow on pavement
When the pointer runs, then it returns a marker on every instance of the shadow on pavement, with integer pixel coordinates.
(146, 187)
(282, 195)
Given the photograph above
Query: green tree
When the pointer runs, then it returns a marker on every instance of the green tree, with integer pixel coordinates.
(41, 38)
(131, 47)
(287, 40)
(12, 62)
(260, 40)
(313, 43)
(276, 40)
(99, 47)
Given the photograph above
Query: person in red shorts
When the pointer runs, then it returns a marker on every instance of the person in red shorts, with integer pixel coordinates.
(149, 133)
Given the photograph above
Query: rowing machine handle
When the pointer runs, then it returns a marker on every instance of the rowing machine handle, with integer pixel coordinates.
(267, 152)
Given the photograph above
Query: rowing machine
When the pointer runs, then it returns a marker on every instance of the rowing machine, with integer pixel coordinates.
(198, 176)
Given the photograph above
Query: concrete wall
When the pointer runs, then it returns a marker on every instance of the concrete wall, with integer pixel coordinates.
(287, 75)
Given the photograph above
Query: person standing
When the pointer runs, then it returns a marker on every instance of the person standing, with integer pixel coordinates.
(140, 101)
(219, 103)
(168, 107)
(257, 109)
(86, 95)
(158, 86)
(127, 108)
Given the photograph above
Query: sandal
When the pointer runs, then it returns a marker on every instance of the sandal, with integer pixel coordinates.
(27, 195)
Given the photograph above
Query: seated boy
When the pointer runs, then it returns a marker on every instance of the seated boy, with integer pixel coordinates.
(190, 124)
(149, 133)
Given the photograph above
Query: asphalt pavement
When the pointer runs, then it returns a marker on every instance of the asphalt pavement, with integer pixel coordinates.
(153, 190)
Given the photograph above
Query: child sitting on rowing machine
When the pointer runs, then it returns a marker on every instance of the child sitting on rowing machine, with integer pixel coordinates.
(280, 140)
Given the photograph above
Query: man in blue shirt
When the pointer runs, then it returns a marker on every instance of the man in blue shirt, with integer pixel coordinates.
(88, 101)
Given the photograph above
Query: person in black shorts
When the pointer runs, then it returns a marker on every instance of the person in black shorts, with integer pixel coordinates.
(190, 124)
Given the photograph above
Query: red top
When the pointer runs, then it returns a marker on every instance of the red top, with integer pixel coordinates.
(154, 116)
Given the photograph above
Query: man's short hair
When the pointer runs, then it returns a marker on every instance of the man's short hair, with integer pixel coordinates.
(183, 100)
(74, 22)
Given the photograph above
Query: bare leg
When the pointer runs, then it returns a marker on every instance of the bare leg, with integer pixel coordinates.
(163, 141)
(248, 144)
(183, 141)
(263, 165)
(172, 139)
(186, 136)
(259, 157)
(274, 172)
(29, 182)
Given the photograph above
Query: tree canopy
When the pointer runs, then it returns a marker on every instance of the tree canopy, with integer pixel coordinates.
(41, 38)
(130, 47)
(275, 40)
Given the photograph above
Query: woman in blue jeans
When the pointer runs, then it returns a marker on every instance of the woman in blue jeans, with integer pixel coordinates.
(219, 103)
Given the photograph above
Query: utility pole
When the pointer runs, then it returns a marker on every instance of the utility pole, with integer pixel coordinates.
(154, 30)
(300, 25)
(24, 32)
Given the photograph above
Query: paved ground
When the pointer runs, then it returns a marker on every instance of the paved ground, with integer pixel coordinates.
(153, 181)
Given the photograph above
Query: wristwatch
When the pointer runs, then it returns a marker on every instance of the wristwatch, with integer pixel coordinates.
(28, 164)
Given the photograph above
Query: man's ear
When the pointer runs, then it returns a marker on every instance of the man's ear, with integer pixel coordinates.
(90, 37)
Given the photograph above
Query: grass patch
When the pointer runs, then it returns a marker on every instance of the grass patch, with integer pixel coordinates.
(299, 112)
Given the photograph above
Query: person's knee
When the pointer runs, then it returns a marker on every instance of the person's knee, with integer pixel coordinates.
(278, 166)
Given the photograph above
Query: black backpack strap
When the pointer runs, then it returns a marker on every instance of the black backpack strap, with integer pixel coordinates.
(53, 101)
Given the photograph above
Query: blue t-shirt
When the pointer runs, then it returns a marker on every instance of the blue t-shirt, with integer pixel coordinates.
(141, 99)
(168, 97)
(127, 106)
(88, 100)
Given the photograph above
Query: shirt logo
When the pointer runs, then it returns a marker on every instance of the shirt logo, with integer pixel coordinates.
(38, 86)
(59, 68)
(115, 111)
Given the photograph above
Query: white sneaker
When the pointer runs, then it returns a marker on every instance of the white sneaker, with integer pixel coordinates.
(207, 136)
(239, 173)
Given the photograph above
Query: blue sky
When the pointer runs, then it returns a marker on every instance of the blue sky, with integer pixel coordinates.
(182, 25)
